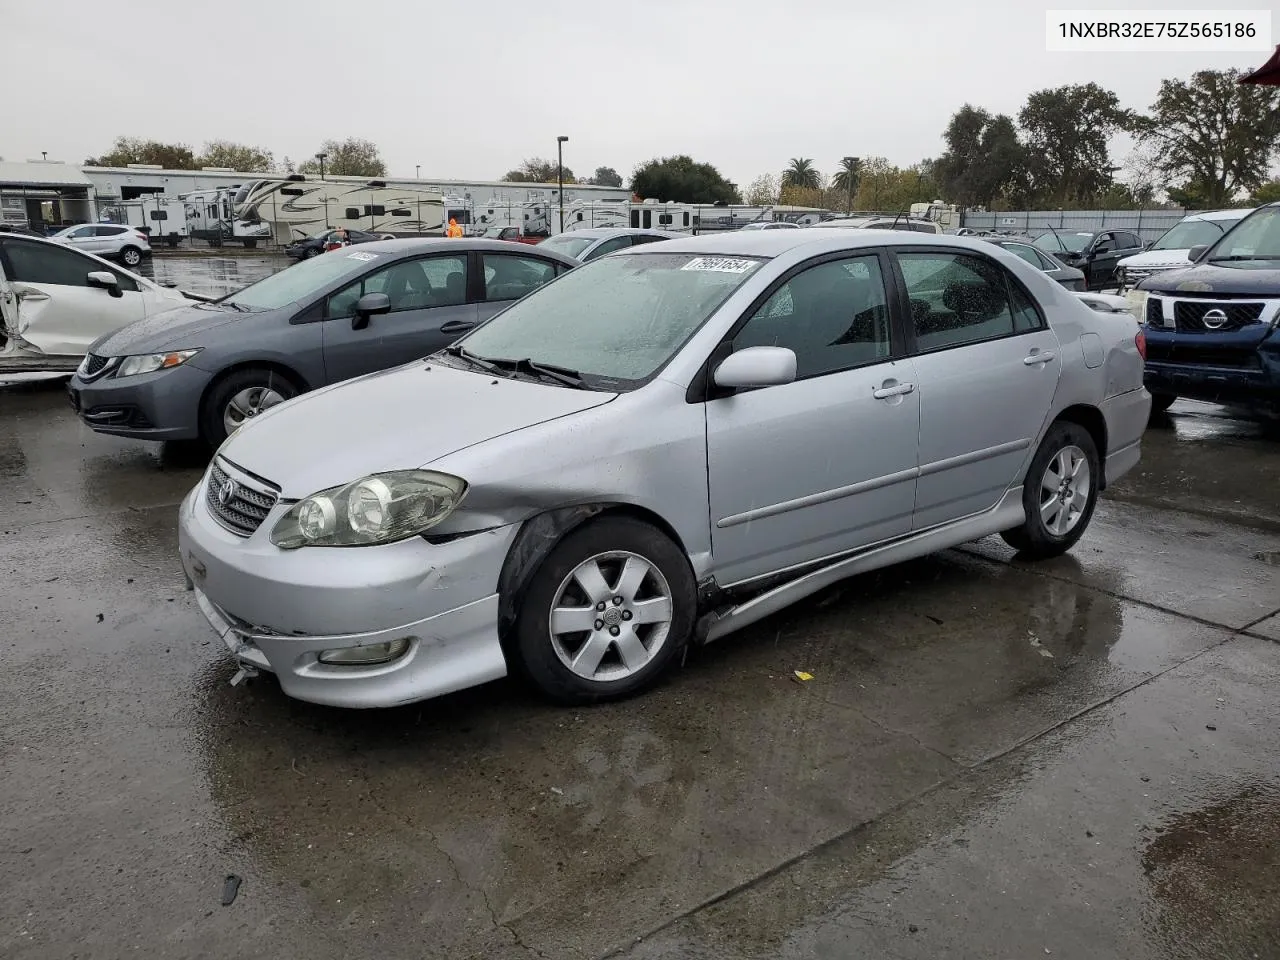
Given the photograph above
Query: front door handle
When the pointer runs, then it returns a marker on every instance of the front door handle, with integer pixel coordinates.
(1038, 357)
(891, 388)
(457, 326)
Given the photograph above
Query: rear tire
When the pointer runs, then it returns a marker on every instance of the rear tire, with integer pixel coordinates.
(1160, 402)
(313, 252)
(239, 398)
(1059, 493)
(626, 603)
(251, 244)
(130, 256)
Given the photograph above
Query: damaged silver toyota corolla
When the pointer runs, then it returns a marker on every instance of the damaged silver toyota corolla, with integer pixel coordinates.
(656, 449)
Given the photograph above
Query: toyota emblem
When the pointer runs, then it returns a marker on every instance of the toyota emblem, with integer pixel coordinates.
(226, 492)
(1214, 319)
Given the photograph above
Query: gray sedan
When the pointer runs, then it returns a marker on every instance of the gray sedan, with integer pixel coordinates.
(595, 242)
(1069, 277)
(205, 370)
(654, 450)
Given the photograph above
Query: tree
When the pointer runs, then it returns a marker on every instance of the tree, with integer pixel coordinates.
(127, 150)
(1214, 134)
(606, 177)
(983, 161)
(237, 156)
(1066, 130)
(680, 179)
(1269, 192)
(537, 170)
(801, 173)
(763, 190)
(351, 157)
(793, 196)
(846, 180)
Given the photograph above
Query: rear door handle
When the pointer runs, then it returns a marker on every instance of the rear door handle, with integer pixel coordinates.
(457, 326)
(1038, 357)
(892, 390)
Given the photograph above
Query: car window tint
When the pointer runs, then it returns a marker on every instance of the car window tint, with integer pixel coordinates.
(610, 245)
(1045, 262)
(409, 285)
(127, 283)
(923, 227)
(642, 238)
(82, 232)
(955, 299)
(1026, 253)
(509, 277)
(833, 316)
(1128, 241)
(109, 231)
(1025, 315)
(1105, 244)
(47, 263)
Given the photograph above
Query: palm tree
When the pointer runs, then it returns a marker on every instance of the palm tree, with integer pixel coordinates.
(801, 173)
(846, 179)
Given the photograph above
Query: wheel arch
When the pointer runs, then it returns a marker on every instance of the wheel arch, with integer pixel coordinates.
(1092, 420)
(275, 366)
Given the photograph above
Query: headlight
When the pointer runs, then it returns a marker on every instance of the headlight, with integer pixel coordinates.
(379, 509)
(151, 362)
(1137, 304)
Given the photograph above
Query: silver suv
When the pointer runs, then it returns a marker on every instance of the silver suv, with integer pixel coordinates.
(110, 240)
(656, 449)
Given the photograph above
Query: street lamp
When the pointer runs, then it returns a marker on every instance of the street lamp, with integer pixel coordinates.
(320, 157)
(560, 142)
(417, 171)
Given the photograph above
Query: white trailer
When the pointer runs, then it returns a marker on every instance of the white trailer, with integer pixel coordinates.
(301, 207)
(211, 216)
(163, 219)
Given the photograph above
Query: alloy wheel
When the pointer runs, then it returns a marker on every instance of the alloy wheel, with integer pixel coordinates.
(246, 405)
(1064, 490)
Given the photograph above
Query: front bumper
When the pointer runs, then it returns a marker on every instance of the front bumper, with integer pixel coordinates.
(163, 405)
(1243, 386)
(277, 610)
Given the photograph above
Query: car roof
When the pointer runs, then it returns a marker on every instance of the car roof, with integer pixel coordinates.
(1237, 214)
(408, 246)
(28, 238)
(604, 233)
(773, 243)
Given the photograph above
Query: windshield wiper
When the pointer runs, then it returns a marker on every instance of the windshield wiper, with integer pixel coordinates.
(458, 350)
(565, 375)
(239, 307)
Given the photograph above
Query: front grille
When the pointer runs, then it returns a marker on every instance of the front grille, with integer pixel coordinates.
(93, 363)
(239, 507)
(1226, 317)
(1155, 312)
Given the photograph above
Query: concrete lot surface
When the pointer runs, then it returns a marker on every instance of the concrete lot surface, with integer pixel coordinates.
(1076, 759)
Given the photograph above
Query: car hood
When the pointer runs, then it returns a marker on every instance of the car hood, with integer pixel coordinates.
(398, 419)
(179, 327)
(1247, 279)
(1157, 258)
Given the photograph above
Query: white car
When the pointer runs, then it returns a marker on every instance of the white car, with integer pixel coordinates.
(1171, 250)
(916, 224)
(55, 302)
(770, 225)
(112, 240)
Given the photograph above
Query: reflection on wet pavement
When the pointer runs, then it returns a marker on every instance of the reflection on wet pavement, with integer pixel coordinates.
(993, 758)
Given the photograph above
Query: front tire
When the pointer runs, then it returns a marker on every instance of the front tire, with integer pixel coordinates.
(238, 399)
(608, 611)
(1059, 493)
(313, 252)
(130, 256)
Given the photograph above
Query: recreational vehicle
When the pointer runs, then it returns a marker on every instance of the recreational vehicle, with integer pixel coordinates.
(299, 207)
(211, 216)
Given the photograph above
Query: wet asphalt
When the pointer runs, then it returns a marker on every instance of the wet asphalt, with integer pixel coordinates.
(993, 759)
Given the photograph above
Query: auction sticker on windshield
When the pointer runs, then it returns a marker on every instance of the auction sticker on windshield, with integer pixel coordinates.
(719, 264)
(362, 255)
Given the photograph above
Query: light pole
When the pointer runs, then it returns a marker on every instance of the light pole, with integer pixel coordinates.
(560, 142)
(320, 157)
(417, 171)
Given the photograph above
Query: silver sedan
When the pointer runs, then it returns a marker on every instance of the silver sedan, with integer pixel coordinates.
(654, 450)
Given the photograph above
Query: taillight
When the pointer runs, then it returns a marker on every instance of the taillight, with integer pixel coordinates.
(142, 236)
(1141, 341)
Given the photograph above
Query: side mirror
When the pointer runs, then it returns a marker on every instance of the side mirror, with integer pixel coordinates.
(1198, 251)
(370, 305)
(104, 280)
(757, 367)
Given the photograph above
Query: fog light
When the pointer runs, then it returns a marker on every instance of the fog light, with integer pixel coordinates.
(367, 655)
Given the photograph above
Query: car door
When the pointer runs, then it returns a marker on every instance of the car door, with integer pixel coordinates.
(825, 464)
(988, 367)
(508, 277)
(608, 246)
(429, 310)
(82, 238)
(55, 309)
(106, 239)
(1103, 257)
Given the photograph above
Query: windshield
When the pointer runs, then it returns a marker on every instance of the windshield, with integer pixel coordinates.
(619, 318)
(1063, 242)
(493, 231)
(301, 280)
(1192, 233)
(1256, 237)
(568, 245)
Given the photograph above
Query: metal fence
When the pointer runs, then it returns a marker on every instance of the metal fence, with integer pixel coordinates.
(1147, 224)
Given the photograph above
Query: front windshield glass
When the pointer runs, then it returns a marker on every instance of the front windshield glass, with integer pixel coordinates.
(568, 245)
(619, 318)
(1063, 242)
(1256, 238)
(1191, 233)
(301, 280)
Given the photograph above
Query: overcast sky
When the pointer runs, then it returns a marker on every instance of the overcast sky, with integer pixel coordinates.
(468, 89)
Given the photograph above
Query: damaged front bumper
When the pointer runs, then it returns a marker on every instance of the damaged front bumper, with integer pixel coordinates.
(281, 611)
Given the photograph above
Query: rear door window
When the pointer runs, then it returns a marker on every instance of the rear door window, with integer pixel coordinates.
(959, 298)
(508, 277)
